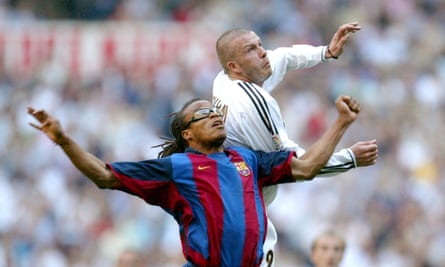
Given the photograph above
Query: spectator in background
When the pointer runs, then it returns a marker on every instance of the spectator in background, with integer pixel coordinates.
(327, 249)
(129, 258)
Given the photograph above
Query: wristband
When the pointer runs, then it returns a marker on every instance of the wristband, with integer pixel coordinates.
(354, 160)
(332, 55)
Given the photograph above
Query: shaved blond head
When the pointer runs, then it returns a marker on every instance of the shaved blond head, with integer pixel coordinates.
(226, 47)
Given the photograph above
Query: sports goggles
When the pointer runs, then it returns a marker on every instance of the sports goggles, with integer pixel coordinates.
(203, 113)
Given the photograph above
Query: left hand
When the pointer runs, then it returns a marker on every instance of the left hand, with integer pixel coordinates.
(340, 37)
(365, 152)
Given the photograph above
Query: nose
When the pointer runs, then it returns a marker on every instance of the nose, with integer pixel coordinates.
(214, 113)
(263, 52)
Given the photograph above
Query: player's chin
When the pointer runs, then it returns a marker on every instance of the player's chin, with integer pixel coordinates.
(219, 140)
(217, 132)
(266, 74)
(222, 135)
(268, 69)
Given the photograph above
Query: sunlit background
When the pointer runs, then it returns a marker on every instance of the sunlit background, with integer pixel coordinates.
(111, 70)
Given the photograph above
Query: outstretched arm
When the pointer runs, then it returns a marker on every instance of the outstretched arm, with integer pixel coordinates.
(310, 163)
(338, 41)
(88, 164)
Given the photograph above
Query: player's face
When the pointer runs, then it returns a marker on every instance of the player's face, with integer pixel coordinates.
(328, 252)
(251, 58)
(205, 124)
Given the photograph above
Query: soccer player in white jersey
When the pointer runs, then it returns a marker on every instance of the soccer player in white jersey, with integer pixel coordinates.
(253, 118)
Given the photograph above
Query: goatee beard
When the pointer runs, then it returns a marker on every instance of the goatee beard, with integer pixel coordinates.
(218, 142)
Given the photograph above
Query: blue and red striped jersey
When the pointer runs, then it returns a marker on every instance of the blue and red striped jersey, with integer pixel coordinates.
(215, 199)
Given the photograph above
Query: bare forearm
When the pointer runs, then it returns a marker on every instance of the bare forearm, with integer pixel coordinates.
(316, 157)
(90, 166)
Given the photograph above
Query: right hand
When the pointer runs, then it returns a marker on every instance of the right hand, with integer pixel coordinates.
(348, 108)
(48, 125)
(340, 38)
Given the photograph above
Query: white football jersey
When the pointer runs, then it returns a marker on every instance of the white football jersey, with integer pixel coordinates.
(253, 119)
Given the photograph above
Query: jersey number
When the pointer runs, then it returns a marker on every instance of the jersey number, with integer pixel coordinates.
(269, 258)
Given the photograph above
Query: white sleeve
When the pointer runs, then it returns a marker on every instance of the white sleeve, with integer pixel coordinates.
(339, 162)
(295, 57)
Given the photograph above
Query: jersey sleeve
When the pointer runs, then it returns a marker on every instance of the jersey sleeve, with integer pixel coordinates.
(339, 162)
(274, 167)
(283, 59)
(149, 180)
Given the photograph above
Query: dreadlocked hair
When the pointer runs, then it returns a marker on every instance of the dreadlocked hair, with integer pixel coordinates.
(175, 144)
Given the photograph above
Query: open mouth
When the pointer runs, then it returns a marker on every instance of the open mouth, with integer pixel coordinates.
(217, 123)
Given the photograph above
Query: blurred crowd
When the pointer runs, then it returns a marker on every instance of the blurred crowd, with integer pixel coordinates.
(391, 214)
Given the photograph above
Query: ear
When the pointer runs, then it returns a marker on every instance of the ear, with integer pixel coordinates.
(187, 135)
(233, 67)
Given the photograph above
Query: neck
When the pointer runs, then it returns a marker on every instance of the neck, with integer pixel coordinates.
(234, 76)
(208, 148)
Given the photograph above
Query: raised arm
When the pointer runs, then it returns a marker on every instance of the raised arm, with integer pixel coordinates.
(309, 164)
(88, 164)
(335, 47)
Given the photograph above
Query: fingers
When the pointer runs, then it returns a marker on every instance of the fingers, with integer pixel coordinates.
(44, 125)
(368, 158)
(371, 159)
(351, 27)
(354, 24)
(369, 142)
(35, 126)
(356, 107)
(344, 32)
(366, 152)
(353, 104)
(368, 162)
(364, 146)
(40, 115)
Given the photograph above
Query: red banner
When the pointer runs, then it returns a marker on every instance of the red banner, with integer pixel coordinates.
(85, 49)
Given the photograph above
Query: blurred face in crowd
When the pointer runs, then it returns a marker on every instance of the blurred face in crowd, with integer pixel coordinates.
(204, 126)
(244, 57)
(129, 258)
(327, 250)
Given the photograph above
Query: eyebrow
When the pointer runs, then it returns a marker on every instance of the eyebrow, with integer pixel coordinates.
(202, 108)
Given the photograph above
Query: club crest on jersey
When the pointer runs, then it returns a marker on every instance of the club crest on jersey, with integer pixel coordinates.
(242, 168)
(276, 140)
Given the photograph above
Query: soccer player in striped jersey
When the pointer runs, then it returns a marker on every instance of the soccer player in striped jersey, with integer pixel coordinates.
(214, 194)
(252, 116)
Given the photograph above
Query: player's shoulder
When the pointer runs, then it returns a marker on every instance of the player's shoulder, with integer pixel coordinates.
(245, 152)
(238, 148)
(220, 78)
(222, 83)
(225, 90)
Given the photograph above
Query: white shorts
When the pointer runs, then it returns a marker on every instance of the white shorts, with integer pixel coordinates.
(269, 194)
(269, 246)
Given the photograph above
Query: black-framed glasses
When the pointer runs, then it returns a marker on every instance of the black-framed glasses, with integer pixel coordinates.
(203, 113)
